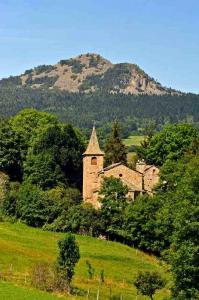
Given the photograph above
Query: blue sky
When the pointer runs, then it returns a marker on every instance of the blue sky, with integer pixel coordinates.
(161, 36)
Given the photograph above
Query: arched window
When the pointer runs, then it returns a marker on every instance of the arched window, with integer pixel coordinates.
(94, 161)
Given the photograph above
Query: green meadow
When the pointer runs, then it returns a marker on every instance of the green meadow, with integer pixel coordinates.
(9, 291)
(133, 140)
(21, 247)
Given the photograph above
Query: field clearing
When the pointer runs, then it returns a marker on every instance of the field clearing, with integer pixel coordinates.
(133, 140)
(21, 247)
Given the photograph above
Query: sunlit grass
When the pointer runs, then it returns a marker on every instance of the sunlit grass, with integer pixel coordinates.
(133, 140)
(21, 247)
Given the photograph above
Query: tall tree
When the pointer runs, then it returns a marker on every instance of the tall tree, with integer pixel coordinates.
(115, 150)
(68, 257)
(114, 201)
(30, 122)
(10, 151)
(57, 154)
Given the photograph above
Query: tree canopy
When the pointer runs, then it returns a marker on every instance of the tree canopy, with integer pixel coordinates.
(115, 150)
(170, 143)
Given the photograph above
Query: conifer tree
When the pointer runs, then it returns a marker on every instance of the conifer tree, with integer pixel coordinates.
(115, 150)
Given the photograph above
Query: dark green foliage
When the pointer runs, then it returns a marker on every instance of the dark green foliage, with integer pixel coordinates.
(29, 123)
(29, 71)
(90, 270)
(63, 62)
(40, 69)
(102, 277)
(46, 81)
(10, 82)
(10, 202)
(68, 257)
(115, 150)
(32, 205)
(76, 65)
(114, 201)
(94, 61)
(77, 218)
(43, 170)
(147, 283)
(184, 261)
(60, 148)
(11, 147)
(99, 106)
(141, 229)
(43, 69)
(114, 78)
(180, 187)
(170, 144)
(182, 202)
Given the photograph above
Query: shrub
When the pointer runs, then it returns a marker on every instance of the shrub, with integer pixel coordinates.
(147, 283)
(90, 270)
(33, 206)
(42, 277)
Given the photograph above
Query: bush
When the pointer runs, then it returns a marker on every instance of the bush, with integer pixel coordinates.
(10, 202)
(82, 219)
(147, 283)
(33, 206)
(42, 277)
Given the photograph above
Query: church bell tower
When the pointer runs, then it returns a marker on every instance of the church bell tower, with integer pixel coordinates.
(93, 159)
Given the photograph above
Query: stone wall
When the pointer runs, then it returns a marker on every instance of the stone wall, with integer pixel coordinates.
(125, 174)
(151, 178)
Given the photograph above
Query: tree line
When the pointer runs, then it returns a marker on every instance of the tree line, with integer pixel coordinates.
(133, 111)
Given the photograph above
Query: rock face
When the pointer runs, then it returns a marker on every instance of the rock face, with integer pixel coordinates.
(88, 73)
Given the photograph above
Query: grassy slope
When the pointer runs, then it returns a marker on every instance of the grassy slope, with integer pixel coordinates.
(22, 247)
(13, 292)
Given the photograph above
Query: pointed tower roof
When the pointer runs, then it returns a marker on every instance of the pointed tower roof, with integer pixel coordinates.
(93, 146)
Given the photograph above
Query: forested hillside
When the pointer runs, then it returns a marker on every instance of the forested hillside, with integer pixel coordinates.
(83, 109)
(89, 88)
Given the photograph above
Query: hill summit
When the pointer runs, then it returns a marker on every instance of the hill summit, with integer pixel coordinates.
(89, 73)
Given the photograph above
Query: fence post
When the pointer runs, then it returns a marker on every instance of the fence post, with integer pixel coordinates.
(110, 292)
(88, 293)
(97, 295)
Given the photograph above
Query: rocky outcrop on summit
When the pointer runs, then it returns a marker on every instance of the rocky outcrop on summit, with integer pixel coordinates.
(89, 73)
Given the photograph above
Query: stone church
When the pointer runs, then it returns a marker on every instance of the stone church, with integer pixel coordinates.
(139, 181)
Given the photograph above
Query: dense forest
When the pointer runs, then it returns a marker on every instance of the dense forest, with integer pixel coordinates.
(82, 109)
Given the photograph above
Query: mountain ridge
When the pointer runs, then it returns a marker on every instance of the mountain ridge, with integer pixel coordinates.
(90, 73)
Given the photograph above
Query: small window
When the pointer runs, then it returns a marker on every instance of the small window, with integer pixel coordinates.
(120, 175)
(94, 161)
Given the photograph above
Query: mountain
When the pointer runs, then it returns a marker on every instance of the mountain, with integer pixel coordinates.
(89, 88)
(89, 73)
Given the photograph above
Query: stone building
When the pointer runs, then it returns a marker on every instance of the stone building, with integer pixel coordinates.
(139, 181)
